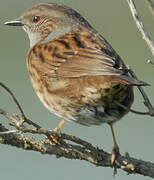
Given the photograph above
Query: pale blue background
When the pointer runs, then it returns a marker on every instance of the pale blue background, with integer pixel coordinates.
(135, 133)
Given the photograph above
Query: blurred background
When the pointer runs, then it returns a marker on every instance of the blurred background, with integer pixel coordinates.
(134, 133)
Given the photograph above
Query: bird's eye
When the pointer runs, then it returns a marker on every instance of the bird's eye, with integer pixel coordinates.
(36, 19)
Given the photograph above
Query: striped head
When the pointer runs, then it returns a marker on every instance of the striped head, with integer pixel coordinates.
(48, 21)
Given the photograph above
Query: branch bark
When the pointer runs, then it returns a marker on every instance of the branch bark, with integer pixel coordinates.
(71, 147)
(150, 5)
(140, 25)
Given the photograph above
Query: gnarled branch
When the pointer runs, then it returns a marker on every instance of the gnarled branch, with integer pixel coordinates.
(70, 147)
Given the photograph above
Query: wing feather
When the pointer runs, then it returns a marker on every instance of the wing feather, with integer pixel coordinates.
(87, 62)
(80, 63)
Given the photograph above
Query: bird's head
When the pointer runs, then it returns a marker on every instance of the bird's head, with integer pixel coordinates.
(48, 21)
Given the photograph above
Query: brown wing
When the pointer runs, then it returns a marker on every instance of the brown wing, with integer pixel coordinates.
(86, 62)
(82, 62)
(63, 63)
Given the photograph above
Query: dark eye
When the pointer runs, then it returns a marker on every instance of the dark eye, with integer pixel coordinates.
(36, 19)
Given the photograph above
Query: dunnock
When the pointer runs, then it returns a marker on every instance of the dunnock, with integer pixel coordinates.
(75, 72)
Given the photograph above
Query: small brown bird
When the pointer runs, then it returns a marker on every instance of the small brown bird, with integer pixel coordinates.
(75, 72)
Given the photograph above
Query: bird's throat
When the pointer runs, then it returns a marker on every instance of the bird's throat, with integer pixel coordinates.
(34, 37)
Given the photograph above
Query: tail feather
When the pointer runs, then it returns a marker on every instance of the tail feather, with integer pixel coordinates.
(132, 81)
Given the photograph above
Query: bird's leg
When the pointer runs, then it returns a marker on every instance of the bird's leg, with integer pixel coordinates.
(115, 150)
(57, 129)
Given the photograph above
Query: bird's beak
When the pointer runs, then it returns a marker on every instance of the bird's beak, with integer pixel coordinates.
(15, 22)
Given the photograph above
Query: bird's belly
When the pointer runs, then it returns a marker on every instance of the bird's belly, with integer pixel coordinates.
(86, 106)
(90, 115)
(87, 115)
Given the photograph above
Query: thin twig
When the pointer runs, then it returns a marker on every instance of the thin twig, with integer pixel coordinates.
(151, 6)
(145, 97)
(131, 110)
(151, 62)
(141, 26)
(28, 121)
(14, 99)
(19, 107)
(150, 43)
(14, 121)
(9, 132)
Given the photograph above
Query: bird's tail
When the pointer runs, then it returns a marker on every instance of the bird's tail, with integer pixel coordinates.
(132, 81)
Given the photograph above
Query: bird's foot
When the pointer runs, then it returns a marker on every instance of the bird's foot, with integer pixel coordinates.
(56, 139)
(57, 130)
(114, 155)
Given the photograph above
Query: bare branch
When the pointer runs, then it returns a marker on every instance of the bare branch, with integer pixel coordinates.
(151, 6)
(82, 150)
(14, 98)
(24, 119)
(147, 102)
(150, 43)
(151, 62)
(140, 25)
(131, 110)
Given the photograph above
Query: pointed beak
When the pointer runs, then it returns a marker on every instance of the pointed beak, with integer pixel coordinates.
(16, 22)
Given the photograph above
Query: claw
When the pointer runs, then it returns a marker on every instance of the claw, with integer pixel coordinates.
(57, 140)
(115, 154)
(57, 129)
